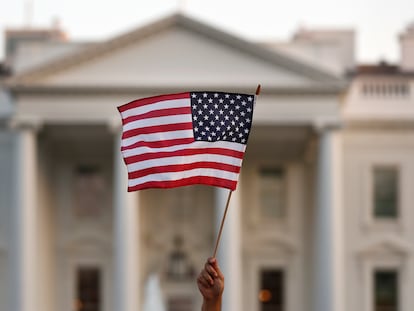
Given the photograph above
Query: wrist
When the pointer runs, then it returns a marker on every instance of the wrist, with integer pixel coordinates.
(212, 304)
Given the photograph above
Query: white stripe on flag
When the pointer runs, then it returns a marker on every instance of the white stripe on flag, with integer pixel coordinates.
(172, 119)
(184, 174)
(157, 137)
(172, 103)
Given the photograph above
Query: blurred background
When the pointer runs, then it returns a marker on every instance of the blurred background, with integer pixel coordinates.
(322, 218)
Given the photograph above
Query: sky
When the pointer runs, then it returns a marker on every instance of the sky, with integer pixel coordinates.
(377, 23)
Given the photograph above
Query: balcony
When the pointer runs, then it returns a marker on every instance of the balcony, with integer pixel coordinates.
(386, 89)
(384, 99)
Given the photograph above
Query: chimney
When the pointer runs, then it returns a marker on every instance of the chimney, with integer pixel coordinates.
(407, 49)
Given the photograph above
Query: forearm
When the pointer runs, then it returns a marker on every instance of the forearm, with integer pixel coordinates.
(211, 305)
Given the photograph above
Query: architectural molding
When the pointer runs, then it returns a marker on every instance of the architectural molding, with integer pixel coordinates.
(93, 241)
(255, 263)
(278, 243)
(368, 266)
(321, 125)
(327, 79)
(372, 124)
(388, 243)
(32, 123)
(38, 88)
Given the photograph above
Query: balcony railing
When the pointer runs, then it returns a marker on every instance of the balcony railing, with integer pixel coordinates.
(394, 90)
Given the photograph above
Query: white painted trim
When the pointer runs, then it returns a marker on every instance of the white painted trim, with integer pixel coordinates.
(388, 242)
(185, 289)
(255, 219)
(388, 262)
(291, 280)
(369, 221)
(87, 258)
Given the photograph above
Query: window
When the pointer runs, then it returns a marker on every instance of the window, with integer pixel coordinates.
(385, 290)
(89, 192)
(88, 289)
(271, 293)
(385, 192)
(272, 192)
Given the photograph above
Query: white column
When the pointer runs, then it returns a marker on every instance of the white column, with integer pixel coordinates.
(328, 240)
(229, 252)
(126, 214)
(24, 223)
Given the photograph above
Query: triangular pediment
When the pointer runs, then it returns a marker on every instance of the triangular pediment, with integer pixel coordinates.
(173, 53)
(384, 244)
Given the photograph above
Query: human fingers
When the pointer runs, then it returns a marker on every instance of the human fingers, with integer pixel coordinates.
(202, 281)
(210, 269)
(213, 261)
(206, 276)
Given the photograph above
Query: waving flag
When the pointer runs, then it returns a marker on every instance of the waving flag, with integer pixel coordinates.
(187, 138)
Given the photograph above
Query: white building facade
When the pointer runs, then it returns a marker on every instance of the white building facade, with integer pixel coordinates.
(321, 219)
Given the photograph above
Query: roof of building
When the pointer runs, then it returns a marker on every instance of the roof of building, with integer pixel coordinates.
(37, 32)
(314, 72)
(382, 68)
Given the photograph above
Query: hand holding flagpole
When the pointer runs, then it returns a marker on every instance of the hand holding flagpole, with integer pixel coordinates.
(227, 203)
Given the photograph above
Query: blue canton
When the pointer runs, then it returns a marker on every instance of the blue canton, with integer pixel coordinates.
(221, 116)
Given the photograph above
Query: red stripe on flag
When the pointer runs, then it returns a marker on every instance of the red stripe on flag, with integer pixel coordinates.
(152, 100)
(183, 167)
(159, 144)
(158, 113)
(205, 180)
(157, 129)
(185, 152)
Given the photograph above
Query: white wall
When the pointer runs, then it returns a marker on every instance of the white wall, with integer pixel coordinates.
(370, 243)
(78, 241)
(379, 98)
(275, 243)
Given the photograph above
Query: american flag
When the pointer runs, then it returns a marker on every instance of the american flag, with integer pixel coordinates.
(187, 138)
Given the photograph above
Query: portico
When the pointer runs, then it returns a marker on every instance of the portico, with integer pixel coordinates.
(74, 217)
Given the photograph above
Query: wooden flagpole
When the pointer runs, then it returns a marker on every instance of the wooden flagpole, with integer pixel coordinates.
(227, 204)
(222, 224)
